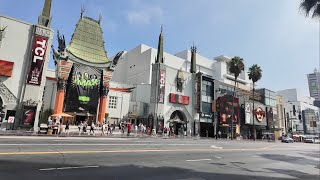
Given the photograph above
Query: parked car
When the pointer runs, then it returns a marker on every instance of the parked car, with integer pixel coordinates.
(312, 139)
(287, 140)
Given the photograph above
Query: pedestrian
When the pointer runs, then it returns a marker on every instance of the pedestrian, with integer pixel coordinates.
(92, 128)
(219, 134)
(103, 129)
(67, 128)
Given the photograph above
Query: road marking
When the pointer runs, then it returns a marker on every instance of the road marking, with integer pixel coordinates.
(269, 147)
(130, 151)
(64, 168)
(217, 157)
(255, 156)
(196, 160)
(215, 147)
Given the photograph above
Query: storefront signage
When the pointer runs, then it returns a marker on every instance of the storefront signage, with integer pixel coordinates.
(179, 99)
(6, 68)
(11, 119)
(162, 80)
(38, 57)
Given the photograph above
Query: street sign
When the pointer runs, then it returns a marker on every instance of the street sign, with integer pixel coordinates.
(11, 119)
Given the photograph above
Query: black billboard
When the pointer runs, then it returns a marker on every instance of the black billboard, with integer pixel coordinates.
(83, 89)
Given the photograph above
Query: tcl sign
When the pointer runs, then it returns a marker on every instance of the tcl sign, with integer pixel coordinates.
(162, 85)
(40, 50)
(38, 57)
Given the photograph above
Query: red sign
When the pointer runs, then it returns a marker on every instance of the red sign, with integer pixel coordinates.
(64, 69)
(180, 99)
(162, 86)
(107, 75)
(6, 68)
(38, 57)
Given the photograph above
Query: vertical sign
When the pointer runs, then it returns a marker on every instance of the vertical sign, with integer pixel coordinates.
(38, 56)
(198, 88)
(162, 80)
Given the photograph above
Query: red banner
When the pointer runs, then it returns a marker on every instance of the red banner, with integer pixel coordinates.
(6, 68)
(180, 99)
(38, 58)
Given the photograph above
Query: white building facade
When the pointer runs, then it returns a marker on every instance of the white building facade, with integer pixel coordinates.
(302, 116)
(24, 57)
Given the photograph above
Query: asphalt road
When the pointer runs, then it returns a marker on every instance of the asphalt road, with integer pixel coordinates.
(62, 158)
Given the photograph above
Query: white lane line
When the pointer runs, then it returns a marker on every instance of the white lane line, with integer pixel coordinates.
(64, 168)
(255, 156)
(216, 147)
(195, 160)
(217, 157)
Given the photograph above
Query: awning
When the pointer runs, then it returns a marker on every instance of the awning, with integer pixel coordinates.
(62, 115)
(176, 120)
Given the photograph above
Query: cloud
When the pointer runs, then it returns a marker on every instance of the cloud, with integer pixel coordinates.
(145, 15)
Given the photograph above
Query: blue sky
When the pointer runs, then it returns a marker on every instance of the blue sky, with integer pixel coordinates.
(273, 33)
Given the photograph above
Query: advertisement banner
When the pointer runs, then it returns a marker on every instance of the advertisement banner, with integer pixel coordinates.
(6, 68)
(179, 99)
(38, 58)
(83, 89)
(29, 113)
(198, 90)
(162, 86)
(229, 106)
(260, 116)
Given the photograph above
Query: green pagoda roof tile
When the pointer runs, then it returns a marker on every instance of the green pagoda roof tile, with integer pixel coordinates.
(87, 41)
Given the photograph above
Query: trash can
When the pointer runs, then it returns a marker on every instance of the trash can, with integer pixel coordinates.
(49, 131)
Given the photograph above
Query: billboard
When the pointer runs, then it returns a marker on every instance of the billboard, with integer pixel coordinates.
(6, 68)
(38, 56)
(228, 106)
(162, 86)
(179, 99)
(83, 89)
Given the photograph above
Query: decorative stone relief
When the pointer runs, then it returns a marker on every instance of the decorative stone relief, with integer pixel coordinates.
(7, 94)
(180, 108)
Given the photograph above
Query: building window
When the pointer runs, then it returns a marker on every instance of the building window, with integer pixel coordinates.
(113, 102)
(206, 96)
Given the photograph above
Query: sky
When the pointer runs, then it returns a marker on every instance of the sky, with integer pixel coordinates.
(273, 34)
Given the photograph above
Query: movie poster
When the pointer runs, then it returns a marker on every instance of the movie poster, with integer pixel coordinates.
(229, 106)
(29, 113)
(83, 89)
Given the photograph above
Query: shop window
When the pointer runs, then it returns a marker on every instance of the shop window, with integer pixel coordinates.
(113, 102)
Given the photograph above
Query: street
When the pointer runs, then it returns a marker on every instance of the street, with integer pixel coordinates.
(154, 158)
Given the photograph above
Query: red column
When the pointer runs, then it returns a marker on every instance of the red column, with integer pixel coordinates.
(58, 106)
(102, 108)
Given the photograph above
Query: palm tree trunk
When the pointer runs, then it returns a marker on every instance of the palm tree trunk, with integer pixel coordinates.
(253, 112)
(234, 94)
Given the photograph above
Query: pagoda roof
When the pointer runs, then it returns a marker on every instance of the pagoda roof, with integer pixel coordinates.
(87, 44)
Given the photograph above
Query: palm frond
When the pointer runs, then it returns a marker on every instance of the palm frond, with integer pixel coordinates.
(316, 11)
(307, 5)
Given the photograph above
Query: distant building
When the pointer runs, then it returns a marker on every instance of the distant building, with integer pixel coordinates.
(298, 109)
(314, 86)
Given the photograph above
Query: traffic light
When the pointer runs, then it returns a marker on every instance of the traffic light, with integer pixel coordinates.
(299, 116)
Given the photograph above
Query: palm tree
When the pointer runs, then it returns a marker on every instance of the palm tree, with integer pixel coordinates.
(236, 66)
(255, 74)
(312, 7)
